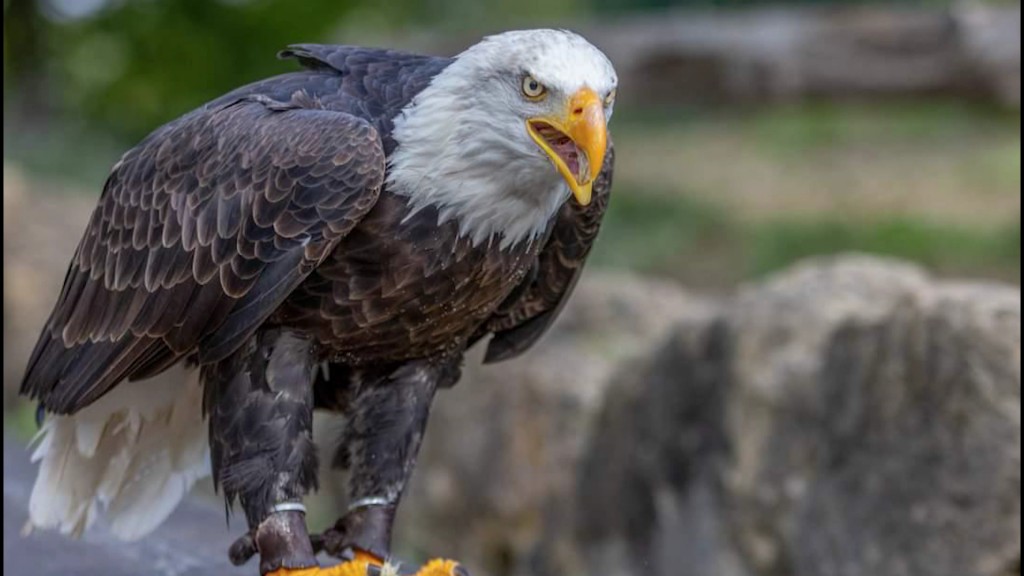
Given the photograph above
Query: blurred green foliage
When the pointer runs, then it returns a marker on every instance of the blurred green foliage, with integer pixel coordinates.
(129, 66)
(944, 248)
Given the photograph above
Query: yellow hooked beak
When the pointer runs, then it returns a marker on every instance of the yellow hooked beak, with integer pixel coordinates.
(575, 141)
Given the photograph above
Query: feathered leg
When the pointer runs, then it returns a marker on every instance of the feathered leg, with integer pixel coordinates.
(387, 418)
(260, 407)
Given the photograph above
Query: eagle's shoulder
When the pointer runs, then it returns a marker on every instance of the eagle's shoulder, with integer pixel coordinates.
(370, 83)
(359, 59)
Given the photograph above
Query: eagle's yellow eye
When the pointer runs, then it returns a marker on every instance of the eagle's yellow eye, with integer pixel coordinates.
(533, 89)
(610, 98)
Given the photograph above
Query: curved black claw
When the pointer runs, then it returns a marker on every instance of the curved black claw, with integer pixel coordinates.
(331, 542)
(317, 542)
(243, 549)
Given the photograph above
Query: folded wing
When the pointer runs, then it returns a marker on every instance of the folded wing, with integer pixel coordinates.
(201, 232)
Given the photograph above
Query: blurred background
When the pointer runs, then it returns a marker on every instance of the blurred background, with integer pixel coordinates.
(796, 183)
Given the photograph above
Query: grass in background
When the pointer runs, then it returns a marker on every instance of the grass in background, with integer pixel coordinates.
(703, 246)
(677, 236)
(940, 161)
(947, 250)
(713, 197)
(806, 127)
(20, 419)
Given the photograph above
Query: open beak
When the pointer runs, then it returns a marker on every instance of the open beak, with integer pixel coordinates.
(575, 141)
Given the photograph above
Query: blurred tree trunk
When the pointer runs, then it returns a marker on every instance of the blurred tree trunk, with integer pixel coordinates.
(24, 69)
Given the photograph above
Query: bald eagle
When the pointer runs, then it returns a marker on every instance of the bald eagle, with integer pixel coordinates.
(331, 238)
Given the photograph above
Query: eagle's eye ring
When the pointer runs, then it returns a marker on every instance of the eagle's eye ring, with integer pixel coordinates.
(610, 98)
(533, 89)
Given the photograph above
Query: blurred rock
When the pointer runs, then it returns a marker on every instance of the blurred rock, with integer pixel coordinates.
(691, 56)
(788, 53)
(497, 475)
(192, 542)
(991, 45)
(843, 418)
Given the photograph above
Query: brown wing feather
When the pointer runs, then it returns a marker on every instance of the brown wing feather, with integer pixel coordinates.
(202, 230)
(527, 314)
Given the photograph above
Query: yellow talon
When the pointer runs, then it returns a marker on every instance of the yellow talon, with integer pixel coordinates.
(438, 568)
(361, 567)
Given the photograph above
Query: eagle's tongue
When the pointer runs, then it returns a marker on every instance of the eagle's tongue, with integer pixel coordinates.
(567, 150)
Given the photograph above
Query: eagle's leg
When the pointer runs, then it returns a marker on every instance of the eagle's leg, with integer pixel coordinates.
(260, 407)
(387, 418)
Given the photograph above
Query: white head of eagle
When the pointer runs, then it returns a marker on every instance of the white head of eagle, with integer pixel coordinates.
(499, 139)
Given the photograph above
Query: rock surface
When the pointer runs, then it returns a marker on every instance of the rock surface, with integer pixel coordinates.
(841, 419)
(193, 542)
(846, 417)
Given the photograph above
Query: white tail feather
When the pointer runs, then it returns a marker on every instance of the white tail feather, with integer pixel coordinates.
(133, 454)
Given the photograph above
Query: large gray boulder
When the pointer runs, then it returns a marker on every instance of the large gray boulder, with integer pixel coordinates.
(498, 472)
(850, 417)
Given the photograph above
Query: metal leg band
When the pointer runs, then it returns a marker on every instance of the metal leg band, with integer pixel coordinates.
(369, 501)
(288, 507)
